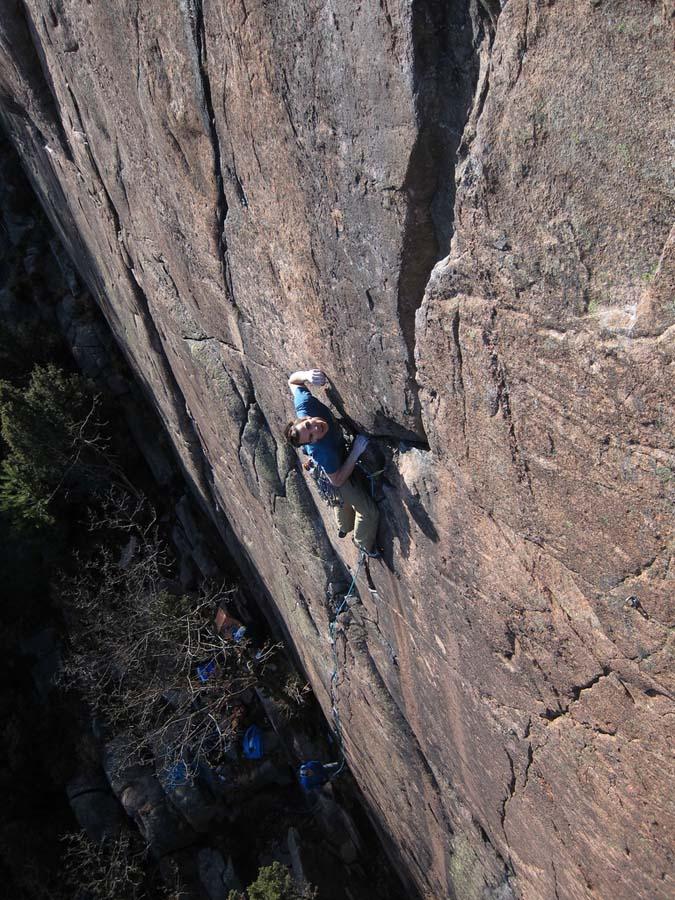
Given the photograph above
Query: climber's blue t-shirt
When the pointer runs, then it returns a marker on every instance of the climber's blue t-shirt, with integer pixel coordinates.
(329, 452)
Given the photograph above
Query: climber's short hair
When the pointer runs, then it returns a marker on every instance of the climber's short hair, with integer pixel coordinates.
(291, 432)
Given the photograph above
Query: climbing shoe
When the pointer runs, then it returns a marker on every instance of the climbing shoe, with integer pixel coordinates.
(342, 534)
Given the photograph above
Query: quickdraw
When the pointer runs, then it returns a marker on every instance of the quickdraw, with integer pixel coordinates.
(330, 494)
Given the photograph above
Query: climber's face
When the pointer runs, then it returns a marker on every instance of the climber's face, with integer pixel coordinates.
(311, 430)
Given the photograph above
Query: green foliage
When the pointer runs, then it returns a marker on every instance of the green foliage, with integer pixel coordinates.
(53, 443)
(275, 883)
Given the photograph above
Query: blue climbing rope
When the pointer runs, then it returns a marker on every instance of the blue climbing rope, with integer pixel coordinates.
(333, 678)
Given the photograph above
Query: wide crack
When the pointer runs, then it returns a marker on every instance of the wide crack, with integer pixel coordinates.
(445, 76)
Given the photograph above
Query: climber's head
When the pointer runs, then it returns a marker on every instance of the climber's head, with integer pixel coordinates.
(307, 430)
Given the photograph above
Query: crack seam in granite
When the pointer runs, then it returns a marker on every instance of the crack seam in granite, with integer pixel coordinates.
(283, 494)
(555, 881)
(138, 44)
(522, 42)
(459, 378)
(249, 404)
(498, 374)
(222, 208)
(176, 395)
(511, 789)
(576, 692)
(426, 230)
(47, 81)
(301, 603)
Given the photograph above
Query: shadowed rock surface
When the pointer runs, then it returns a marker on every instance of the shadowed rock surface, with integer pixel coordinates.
(252, 188)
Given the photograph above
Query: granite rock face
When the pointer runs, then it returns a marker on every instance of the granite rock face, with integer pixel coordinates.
(250, 188)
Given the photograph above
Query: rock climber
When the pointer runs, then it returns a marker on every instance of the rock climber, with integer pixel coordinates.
(316, 430)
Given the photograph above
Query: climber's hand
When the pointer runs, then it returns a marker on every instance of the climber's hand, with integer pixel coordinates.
(312, 376)
(360, 444)
(316, 377)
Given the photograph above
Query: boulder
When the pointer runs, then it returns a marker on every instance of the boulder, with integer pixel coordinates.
(97, 811)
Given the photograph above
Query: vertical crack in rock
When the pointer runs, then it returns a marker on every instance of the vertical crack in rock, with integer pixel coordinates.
(301, 603)
(484, 15)
(522, 42)
(458, 376)
(492, 8)
(196, 8)
(19, 32)
(257, 453)
(137, 29)
(528, 764)
(445, 76)
(174, 392)
(511, 789)
(555, 881)
(503, 402)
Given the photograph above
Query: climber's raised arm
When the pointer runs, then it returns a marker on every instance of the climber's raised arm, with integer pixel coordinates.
(307, 376)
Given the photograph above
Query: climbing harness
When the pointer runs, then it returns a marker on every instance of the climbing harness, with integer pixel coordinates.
(325, 487)
(333, 678)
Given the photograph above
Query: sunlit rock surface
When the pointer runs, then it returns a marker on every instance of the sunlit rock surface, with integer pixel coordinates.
(250, 188)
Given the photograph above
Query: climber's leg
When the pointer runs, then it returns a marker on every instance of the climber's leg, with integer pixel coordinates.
(367, 513)
(344, 516)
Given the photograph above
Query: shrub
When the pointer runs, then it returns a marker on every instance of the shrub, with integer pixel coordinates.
(53, 441)
(275, 883)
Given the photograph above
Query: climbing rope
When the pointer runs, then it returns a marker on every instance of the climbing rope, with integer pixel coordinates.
(371, 476)
(333, 497)
(333, 678)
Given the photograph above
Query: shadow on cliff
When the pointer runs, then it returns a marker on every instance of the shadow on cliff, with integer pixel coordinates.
(399, 506)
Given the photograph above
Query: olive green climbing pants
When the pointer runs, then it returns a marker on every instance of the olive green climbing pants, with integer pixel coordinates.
(358, 512)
